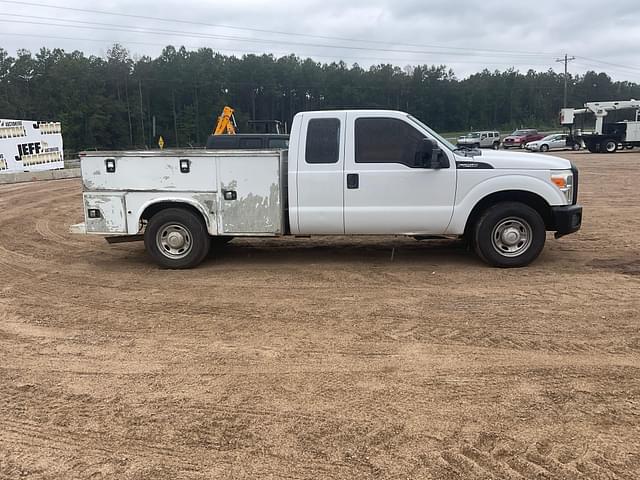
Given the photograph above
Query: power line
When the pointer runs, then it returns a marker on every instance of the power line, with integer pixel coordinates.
(626, 67)
(257, 52)
(261, 30)
(112, 27)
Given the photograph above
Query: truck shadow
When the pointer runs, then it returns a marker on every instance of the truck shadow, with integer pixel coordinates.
(326, 250)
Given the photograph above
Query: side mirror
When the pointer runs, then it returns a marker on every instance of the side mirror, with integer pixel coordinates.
(429, 155)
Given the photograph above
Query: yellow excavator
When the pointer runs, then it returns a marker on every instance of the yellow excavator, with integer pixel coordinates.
(226, 123)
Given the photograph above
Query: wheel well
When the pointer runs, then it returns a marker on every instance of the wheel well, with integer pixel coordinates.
(533, 200)
(154, 208)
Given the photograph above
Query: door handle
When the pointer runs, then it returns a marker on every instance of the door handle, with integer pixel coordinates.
(353, 180)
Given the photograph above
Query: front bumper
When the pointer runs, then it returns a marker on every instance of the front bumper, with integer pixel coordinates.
(565, 219)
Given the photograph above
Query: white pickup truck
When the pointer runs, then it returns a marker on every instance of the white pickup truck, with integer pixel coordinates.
(354, 172)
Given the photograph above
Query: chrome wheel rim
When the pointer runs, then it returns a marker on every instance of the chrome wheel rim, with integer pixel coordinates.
(512, 237)
(611, 147)
(174, 241)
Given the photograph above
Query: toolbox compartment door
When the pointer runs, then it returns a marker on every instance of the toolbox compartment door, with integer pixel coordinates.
(105, 213)
(250, 196)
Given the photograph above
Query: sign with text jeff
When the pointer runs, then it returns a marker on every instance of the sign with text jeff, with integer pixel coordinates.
(28, 146)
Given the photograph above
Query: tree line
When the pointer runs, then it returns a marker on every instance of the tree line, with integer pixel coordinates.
(120, 102)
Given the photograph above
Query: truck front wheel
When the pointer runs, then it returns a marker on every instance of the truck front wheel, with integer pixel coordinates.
(609, 146)
(509, 234)
(176, 238)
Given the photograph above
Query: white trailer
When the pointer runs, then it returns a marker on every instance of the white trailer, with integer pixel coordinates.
(30, 146)
(354, 172)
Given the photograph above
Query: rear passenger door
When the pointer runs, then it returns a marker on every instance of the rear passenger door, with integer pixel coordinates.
(320, 174)
(559, 141)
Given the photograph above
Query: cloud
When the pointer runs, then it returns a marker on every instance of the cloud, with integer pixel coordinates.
(466, 35)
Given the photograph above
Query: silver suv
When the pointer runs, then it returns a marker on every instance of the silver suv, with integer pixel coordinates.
(484, 139)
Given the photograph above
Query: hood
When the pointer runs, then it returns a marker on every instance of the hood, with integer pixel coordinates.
(519, 161)
(514, 137)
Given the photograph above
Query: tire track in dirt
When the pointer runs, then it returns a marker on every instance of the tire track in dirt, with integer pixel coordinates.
(56, 439)
(493, 456)
(24, 280)
(43, 228)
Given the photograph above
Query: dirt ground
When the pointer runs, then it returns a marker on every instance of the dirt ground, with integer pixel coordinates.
(321, 358)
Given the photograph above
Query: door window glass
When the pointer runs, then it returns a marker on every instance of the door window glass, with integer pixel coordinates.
(386, 140)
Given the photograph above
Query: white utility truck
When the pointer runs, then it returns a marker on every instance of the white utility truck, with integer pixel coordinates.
(354, 172)
(606, 137)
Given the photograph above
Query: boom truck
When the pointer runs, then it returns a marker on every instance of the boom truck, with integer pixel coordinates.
(605, 137)
(346, 172)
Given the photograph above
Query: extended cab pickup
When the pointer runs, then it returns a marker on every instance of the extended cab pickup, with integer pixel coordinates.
(345, 173)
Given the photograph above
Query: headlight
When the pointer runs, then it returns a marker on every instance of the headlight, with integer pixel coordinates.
(563, 179)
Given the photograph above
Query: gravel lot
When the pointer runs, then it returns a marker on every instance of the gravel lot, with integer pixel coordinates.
(321, 357)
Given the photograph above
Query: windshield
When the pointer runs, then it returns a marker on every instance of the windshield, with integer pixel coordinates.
(520, 133)
(441, 139)
(550, 137)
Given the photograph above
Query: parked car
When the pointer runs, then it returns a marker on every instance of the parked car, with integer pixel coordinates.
(555, 141)
(521, 137)
(483, 139)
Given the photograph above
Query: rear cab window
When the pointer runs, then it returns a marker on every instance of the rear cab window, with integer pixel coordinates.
(323, 140)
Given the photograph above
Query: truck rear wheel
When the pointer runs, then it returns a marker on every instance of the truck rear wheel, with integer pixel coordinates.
(609, 145)
(509, 234)
(176, 238)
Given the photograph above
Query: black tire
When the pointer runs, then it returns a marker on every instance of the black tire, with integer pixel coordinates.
(609, 146)
(629, 147)
(165, 232)
(575, 147)
(516, 221)
(544, 148)
(496, 145)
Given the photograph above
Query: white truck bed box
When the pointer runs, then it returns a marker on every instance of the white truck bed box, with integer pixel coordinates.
(121, 185)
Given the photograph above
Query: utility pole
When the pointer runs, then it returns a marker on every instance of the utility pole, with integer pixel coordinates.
(566, 60)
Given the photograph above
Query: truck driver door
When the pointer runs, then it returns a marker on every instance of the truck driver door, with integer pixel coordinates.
(384, 190)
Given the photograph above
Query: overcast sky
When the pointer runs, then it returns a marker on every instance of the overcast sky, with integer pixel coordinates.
(465, 35)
